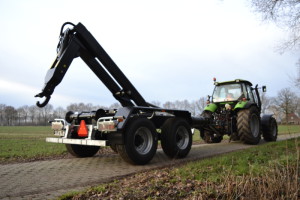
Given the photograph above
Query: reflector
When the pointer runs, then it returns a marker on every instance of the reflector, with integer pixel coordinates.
(82, 131)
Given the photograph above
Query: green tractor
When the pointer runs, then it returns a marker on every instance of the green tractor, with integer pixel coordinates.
(234, 109)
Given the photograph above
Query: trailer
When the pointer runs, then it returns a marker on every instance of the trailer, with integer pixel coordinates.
(133, 131)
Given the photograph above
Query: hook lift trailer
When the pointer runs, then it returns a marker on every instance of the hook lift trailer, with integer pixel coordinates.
(131, 130)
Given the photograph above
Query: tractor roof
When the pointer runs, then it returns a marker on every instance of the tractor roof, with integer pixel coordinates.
(234, 81)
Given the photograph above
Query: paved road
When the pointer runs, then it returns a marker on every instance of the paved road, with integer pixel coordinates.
(51, 178)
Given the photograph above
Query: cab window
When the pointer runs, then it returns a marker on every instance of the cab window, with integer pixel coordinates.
(250, 93)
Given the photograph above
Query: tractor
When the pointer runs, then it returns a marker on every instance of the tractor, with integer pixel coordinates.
(234, 109)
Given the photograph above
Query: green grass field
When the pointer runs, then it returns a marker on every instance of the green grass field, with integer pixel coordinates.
(28, 142)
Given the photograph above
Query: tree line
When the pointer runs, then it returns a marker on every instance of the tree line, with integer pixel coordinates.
(285, 103)
(33, 115)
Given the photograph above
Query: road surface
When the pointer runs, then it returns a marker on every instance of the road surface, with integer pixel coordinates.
(52, 178)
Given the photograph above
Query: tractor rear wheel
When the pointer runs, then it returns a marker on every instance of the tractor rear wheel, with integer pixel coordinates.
(270, 131)
(176, 138)
(248, 125)
(82, 151)
(140, 142)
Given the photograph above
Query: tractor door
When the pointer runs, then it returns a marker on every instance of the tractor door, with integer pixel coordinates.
(250, 94)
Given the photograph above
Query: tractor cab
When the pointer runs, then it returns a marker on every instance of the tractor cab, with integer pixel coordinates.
(236, 90)
(228, 92)
(236, 93)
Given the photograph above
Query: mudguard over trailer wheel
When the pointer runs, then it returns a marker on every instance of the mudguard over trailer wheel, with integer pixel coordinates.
(82, 151)
(140, 142)
(248, 125)
(176, 138)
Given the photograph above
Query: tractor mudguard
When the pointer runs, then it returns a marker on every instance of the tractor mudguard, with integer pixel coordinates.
(265, 119)
(240, 105)
(211, 107)
(243, 105)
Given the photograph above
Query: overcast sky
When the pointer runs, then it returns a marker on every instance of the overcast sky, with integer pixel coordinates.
(169, 49)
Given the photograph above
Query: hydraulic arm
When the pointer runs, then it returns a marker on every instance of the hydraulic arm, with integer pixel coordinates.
(79, 42)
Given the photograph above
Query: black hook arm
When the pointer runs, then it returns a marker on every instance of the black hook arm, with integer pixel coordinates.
(45, 101)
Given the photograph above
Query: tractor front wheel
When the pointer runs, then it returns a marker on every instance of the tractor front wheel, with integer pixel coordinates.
(248, 125)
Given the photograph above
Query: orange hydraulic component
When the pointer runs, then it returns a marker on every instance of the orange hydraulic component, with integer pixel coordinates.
(82, 131)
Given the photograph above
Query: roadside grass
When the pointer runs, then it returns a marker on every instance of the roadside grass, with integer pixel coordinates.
(269, 171)
(288, 129)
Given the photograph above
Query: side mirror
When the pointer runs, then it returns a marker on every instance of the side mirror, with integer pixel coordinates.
(208, 99)
(264, 88)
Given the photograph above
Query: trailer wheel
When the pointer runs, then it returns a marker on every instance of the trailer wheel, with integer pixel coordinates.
(270, 131)
(82, 151)
(140, 142)
(176, 138)
(248, 125)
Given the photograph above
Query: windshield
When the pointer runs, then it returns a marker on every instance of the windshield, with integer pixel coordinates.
(230, 92)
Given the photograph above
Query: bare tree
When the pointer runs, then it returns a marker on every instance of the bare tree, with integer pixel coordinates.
(286, 14)
(115, 106)
(10, 115)
(45, 114)
(275, 111)
(33, 110)
(2, 114)
(59, 112)
(156, 103)
(80, 107)
(286, 102)
(265, 103)
(201, 103)
(296, 79)
(169, 105)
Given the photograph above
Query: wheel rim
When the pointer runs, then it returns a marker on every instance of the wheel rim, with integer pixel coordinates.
(254, 125)
(182, 137)
(143, 140)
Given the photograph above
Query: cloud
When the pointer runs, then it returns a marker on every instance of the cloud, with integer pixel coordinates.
(17, 94)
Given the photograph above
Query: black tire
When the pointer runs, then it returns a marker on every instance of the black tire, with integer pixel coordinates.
(82, 151)
(176, 138)
(210, 138)
(270, 131)
(248, 125)
(140, 142)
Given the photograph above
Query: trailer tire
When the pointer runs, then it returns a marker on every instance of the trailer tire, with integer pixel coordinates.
(176, 138)
(82, 151)
(270, 131)
(140, 142)
(248, 125)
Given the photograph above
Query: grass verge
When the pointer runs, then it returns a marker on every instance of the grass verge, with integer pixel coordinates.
(269, 171)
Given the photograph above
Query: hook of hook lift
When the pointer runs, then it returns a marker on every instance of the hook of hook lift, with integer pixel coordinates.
(45, 101)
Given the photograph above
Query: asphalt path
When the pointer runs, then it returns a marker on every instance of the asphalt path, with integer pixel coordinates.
(52, 178)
